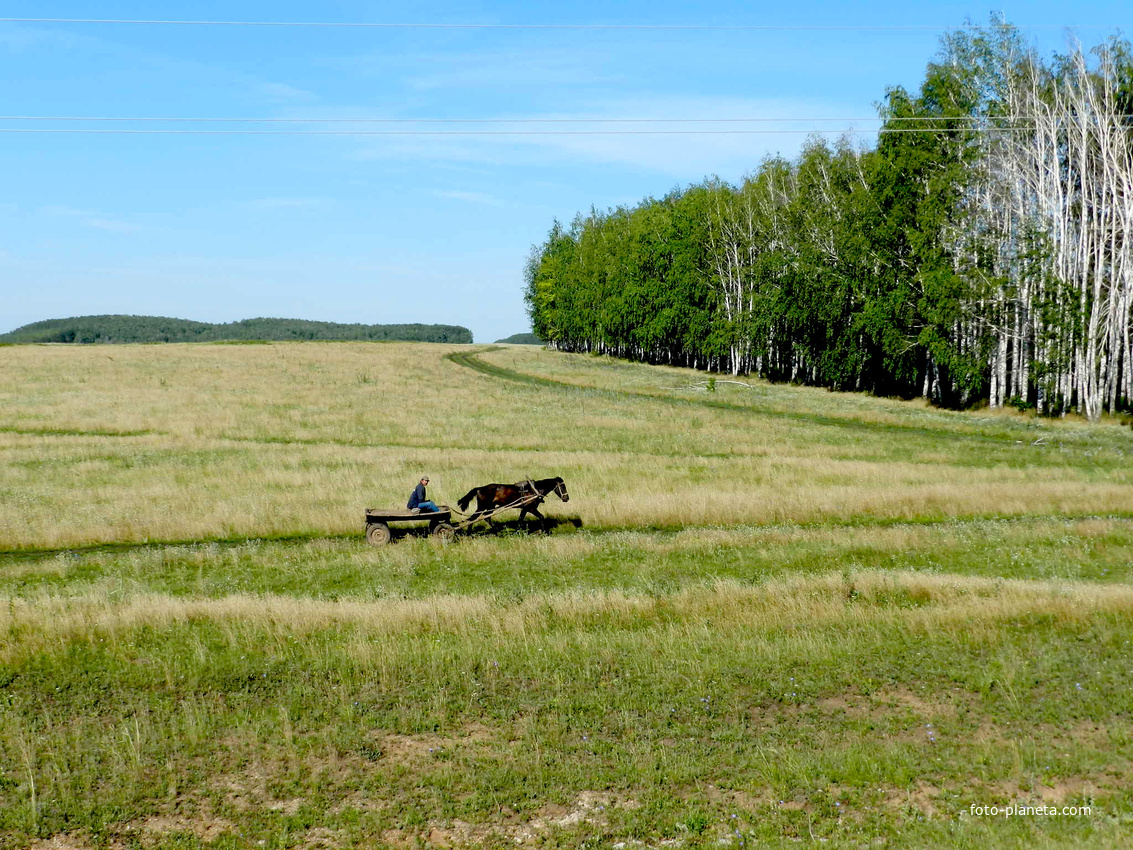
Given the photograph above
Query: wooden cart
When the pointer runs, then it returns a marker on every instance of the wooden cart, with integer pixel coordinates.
(378, 520)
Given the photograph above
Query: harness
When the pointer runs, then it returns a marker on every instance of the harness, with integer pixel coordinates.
(525, 499)
(535, 497)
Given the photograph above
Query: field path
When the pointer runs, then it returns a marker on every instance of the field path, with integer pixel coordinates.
(470, 360)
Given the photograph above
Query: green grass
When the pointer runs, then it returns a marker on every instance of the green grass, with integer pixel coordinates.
(517, 561)
(691, 716)
(767, 616)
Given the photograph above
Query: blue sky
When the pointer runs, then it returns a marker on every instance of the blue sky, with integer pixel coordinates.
(413, 228)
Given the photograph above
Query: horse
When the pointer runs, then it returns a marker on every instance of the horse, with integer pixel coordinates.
(525, 495)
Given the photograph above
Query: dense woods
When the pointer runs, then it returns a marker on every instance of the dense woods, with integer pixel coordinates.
(980, 251)
(522, 339)
(121, 329)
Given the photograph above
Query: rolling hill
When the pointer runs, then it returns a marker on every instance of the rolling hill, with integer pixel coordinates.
(125, 329)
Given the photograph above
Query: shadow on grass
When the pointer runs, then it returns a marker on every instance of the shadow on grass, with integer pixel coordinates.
(551, 525)
(522, 528)
(506, 528)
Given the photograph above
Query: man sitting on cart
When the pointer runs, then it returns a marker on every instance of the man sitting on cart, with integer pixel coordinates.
(419, 501)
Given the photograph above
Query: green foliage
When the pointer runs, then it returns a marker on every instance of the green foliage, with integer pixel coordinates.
(126, 329)
(626, 282)
(846, 268)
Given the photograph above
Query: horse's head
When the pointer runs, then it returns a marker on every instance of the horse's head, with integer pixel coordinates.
(561, 490)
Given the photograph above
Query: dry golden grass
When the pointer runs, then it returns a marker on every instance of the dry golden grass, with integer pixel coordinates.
(187, 442)
(862, 600)
(585, 370)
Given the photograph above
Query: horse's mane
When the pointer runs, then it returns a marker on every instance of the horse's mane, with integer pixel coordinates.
(542, 482)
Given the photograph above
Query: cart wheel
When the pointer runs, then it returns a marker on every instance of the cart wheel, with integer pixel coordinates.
(444, 532)
(377, 533)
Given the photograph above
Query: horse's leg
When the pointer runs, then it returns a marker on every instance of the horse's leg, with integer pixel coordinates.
(485, 513)
(542, 519)
(477, 514)
(534, 512)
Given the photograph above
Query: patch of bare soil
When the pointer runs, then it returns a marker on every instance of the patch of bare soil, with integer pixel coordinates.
(743, 800)
(203, 826)
(454, 834)
(407, 748)
(1057, 792)
(911, 717)
(923, 798)
(589, 808)
(191, 815)
(885, 703)
(413, 748)
(1064, 789)
(60, 842)
(246, 790)
(926, 798)
(320, 838)
(359, 802)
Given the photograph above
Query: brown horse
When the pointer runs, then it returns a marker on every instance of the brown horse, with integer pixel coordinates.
(525, 495)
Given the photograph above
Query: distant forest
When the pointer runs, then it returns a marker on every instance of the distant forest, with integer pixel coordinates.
(982, 251)
(522, 339)
(124, 329)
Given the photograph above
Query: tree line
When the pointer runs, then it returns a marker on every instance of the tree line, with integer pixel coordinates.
(982, 250)
(126, 329)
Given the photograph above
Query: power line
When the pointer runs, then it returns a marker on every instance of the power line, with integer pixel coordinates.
(474, 26)
(192, 132)
(496, 120)
(426, 120)
(701, 132)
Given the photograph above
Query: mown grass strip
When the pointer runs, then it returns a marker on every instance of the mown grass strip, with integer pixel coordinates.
(512, 528)
(519, 563)
(920, 601)
(471, 361)
(76, 432)
(32, 553)
(442, 446)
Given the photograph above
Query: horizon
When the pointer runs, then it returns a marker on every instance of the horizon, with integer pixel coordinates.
(247, 319)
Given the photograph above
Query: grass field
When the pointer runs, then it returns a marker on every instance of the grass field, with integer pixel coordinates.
(768, 614)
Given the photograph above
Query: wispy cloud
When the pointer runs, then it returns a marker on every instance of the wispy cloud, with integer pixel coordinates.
(282, 92)
(24, 37)
(486, 71)
(63, 211)
(684, 155)
(285, 203)
(112, 225)
(91, 218)
(471, 197)
(510, 70)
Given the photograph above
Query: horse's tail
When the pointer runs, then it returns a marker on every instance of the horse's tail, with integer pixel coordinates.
(466, 499)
